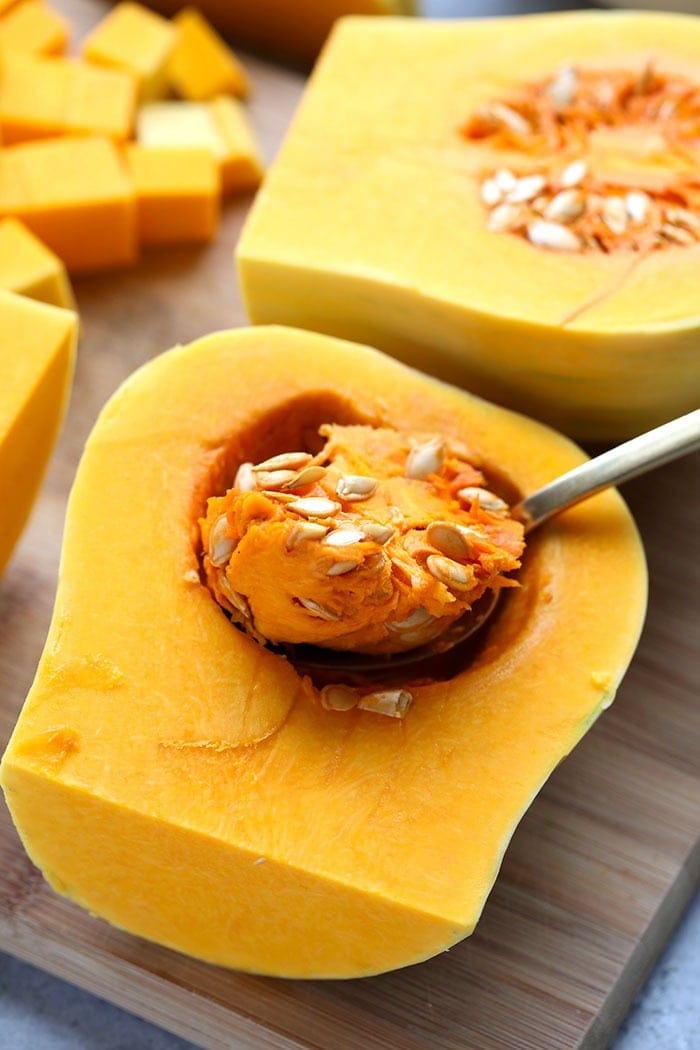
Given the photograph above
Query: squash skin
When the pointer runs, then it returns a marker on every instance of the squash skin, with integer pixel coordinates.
(37, 356)
(601, 348)
(192, 827)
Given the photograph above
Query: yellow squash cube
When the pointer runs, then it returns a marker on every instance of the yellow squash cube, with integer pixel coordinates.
(177, 194)
(40, 97)
(74, 194)
(133, 38)
(375, 222)
(201, 65)
(37, 351)
(28, 267)
(220, 126)
(33, 27)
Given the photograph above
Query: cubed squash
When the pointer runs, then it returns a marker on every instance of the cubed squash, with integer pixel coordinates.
(133, 38)
(220, 126)
(178, 779)
(28, 267)
(33, 27)
(41, 97)
(74, 194)
(202, 65)
(37, 352)
(177, 194)
(482, 228)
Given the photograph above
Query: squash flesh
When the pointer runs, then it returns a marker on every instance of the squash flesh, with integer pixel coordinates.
(336, 243)
(178, 733)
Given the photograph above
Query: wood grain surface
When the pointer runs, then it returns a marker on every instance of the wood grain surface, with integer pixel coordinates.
(599, 869)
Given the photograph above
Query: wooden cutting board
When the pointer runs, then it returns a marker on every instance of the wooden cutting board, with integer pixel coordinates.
(598, 871)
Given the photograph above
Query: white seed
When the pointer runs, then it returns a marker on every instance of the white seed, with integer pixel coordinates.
(191, 576)
(539, 204)
(391, 702)
(317, 609)
(487, 500)
(566, 206)
(562, 89)
(281, 497)
(426, 459)
(505, 217)
(340, 568)
(491, 193)
(505, 180)
(448, 539)
(447, 571)
(553, 235)
(315, 507)
(245, 480)
(338, 698)
(573, 174)
(417, 618)
(676, 235)
(683, 217)
(526, 189)
(355, 487)
(345, 537)
(305, 530)
(306, 476)
(614, 214)
(221, 545)
(510, 118)
(238, 601)
(285, 461)
(374, 530)
(638, 205)
(274, 479)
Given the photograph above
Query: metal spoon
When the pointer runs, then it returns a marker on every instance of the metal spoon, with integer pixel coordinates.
(641, 454)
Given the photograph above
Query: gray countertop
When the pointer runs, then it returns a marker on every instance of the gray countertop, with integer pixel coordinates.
(39, 1012)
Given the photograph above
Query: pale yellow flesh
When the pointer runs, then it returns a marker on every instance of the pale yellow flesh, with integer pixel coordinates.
(208, 801)
(370, 225)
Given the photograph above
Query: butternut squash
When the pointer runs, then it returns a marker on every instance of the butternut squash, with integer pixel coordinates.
(28, 267)
(174, 776)
(528, 228)
(37, 353)
(134, 39)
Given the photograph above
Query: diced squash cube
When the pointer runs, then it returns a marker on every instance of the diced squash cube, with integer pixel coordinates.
(35, 28)
(133, 38)
(37, 351)
(40, 97)
(75, 195)
(220, 126)
(29, 268)
(201, 65)
(177, 194)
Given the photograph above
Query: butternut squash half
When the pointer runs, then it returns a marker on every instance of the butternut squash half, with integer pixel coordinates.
(529, 227)
(174, 776)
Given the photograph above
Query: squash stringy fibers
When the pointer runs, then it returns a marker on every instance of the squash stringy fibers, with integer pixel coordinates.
(376, 544)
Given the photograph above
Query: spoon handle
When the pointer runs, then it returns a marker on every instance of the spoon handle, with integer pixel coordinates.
(619, 464)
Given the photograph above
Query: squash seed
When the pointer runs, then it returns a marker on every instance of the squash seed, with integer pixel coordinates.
(315, 507)
(274, 479)
(221, 544)
(425, 459)
(418, 618)
(506, 218)
(317, 609)
(447, 571)
(345, 536)
(505, 180)
(683, 218)
(614, 215)
(305, 530)
(391, 702)
(238, 601)
(676, 234)
(562, 89)
(487, 500)
(573, 174)
(554, 236)
(447, 537)
(245, 480)
(526, 189)
(340, 568)
(638, 204)
(374, 530)
(491, 193)
(306, 476)
(285, 461)
(338, 698)
(352, 487)
(566, 206)
(510, 118)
